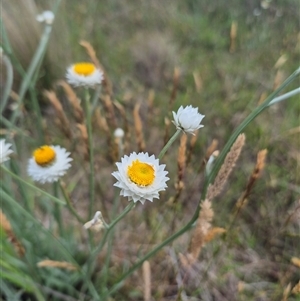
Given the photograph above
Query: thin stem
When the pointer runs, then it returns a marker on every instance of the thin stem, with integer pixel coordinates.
(8, 83)
(32, 186)
(115, 221)
(38, 56)
(95, 98)
(91, 152)
(104, 271)
(69, 204)
(169, 143)
(119, 282)
(57, 212)
(284, 96)
(103, 240)
(9, 125)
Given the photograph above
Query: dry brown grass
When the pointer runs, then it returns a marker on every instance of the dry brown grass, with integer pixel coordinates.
(6, 226)
(203, 225)
(56, 264)
(138, 127)
(62, 120)
(225, 170)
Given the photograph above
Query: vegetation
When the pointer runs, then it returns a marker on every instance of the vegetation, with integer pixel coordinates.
(227, 226)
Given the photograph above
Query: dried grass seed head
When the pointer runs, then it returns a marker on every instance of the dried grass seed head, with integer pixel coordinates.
(225, 170)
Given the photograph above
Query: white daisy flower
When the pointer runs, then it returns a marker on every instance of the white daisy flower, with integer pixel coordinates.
(140, 177)
(46, 16)
(48, 163)
(5, 151)
(84, 74)
(188, 119)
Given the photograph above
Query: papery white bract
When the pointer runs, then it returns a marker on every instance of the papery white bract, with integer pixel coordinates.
(119, 133)
(188, 119)
(47, 16)
(84, 74)
(48, 163)
(5, 151)
(140, 177)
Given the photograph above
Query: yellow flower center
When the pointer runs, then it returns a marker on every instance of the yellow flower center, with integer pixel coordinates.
(84, 69)
(141, 173)
(44, 155)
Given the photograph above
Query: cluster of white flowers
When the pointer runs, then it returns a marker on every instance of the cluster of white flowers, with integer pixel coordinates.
(139, 176)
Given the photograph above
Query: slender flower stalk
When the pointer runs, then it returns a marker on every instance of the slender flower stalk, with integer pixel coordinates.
(57, 211)
(8, 82)
(169, 143)
(88, 114)
(69, 204)
(37, 58)
(109, 228)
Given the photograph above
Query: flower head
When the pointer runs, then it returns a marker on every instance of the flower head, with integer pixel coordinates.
(188, 119)
(84, 74)
(96, 224)
(48, 163)
(140, 177)
(5, 151)
(119, 133)
(46, 16)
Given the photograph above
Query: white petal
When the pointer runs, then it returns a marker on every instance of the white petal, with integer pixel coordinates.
(188, 119)
(5, 151)
(53, 172)
(133, 191)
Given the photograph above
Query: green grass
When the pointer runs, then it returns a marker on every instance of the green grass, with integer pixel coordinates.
(139, 45)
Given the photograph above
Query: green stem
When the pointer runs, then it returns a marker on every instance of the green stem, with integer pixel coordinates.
(104, 271)
(57, 212)
(115, 221)
(38, 56)
(95, 99)
(284, 96)
(9, 81)
(103, 240)
(11, 126)
(169, 143)
(88, 114)
(119, 282)
(32, 186)
(69, 204)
